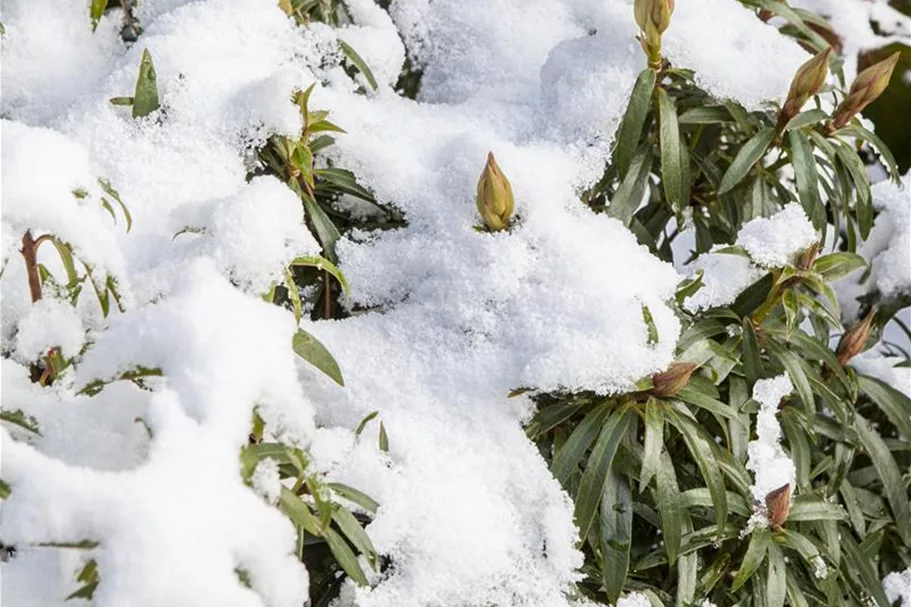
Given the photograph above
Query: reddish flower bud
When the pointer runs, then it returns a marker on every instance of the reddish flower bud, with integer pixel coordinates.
(778, 505)
(868, 85)
(808, 81)
(854, 340)
(670, 382)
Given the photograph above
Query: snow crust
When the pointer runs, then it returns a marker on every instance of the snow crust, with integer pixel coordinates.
(455, 318)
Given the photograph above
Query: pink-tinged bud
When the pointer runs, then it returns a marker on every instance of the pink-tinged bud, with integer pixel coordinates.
(808, 81)
(495, 199)
(868, 85)
(808, 257)
(669, 383)
(778, 505)
(854, 340)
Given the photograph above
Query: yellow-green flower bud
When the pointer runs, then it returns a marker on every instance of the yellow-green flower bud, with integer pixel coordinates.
(854, 340)
(495, 199)
(868, 85)
(669, 383)
(653, 18)
(808, 81)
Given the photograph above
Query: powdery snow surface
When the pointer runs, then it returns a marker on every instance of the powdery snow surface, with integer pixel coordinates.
(775, 241)
(771, 466)
(897, 586)
(771, 242)
(456, 318)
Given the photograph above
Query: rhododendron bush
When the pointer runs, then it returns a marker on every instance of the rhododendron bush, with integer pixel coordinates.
(432, 303)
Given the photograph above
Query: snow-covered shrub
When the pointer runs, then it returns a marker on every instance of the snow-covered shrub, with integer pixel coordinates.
(274, 332)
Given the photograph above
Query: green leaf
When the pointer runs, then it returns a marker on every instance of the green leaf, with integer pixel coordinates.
(691, 395)
(326, 232)
(702, 497)
(805, 171)
(383, 439)
(96, 10)
(670, 508)
(314, 352)
(792, 364)
(20, 419)
(549, 418)
(814, 509)
(591, 487)
(145, 97)
(626, 199)
(776, 588)
(862, 133)
(806, 118)
(748, 156)
(357, 497)
(343, 180)
(568, 456)
(650, 326)
(752, 362)
(363, 423)
(837, 265)
(705, 114)
(352, 530)
(654, 441)
(359, 63)
(326, 265)
(889, 473)
(630, 132)
(616, 533)
(110, 191)
(863, 207)
(345, 557)
(701, 449)
(753, 296)
(671, 166)
(299, 512)
(863, 568)
(893, 403)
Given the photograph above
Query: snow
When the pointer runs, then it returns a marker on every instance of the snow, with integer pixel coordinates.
(634, 599)
(771, 466)
(266, 481)
(453, 320)
(725, 276)
(770, 242)
(885, 368)
(897, 585)
(49, 323)
(887, 250)
(775, 241)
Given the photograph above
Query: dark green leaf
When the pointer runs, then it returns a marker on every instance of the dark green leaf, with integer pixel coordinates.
(805, 172)
(591, 487)
(616, 533)
(748, 156)
(630, 131)
(671, 168)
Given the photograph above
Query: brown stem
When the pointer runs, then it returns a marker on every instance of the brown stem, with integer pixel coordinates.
(29, 251)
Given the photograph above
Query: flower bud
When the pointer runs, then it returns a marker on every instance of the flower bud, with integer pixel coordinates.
(805, 262)
(868, 85)
(778, 505)
(854, 340)
(495, 199)
(808, 81)
(669, 383)
(653, 18)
